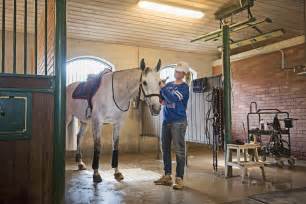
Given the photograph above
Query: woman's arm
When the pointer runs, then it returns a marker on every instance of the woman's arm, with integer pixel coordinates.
(175, 96)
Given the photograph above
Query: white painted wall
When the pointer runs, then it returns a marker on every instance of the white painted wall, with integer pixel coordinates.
(124, 57)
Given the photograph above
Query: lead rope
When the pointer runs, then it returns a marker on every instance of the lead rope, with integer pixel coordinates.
(123, 110)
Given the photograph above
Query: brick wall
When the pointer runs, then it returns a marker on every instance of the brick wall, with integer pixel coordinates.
(261, 79)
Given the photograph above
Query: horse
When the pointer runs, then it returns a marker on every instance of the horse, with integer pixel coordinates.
(110, 105)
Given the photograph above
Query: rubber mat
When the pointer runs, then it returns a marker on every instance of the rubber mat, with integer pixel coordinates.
(295, 196)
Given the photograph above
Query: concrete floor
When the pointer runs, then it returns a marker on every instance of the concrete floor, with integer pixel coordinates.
(202, 184)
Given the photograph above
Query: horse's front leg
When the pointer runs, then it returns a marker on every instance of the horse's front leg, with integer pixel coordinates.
(78, 156)
(118, 175)
(97, 125)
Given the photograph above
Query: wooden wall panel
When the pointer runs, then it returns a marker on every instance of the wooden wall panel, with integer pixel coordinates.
(123, 22)
(25, 82)
(26, 166)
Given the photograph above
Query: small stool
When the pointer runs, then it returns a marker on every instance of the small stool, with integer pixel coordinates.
(243, 165)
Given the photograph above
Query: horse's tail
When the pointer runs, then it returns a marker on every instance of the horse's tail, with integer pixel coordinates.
(69, 101)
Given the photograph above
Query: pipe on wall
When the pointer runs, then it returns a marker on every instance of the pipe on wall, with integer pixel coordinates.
(283, 59)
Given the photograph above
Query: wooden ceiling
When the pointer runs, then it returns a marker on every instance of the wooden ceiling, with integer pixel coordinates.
(123, 22)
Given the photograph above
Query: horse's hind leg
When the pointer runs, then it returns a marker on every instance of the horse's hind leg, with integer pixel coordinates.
(80, 136)
(118, 176)
(97, 124)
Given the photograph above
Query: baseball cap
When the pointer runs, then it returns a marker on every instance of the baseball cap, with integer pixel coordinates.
(182, 67)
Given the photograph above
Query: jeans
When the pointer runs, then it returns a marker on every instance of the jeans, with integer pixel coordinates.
(174, 131)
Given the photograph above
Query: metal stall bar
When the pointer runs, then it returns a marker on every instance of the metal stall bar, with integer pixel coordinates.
(60, 103)
(218, 33)
(35, 37)
(25, 51)
(305, 31)
(46, 37)
(3, 36)
(14, 36)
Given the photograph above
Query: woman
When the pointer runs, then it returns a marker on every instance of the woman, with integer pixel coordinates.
(174, 97)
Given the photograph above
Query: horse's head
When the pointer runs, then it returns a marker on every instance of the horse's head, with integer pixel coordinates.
(150, 86)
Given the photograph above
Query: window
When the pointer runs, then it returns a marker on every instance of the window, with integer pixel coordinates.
(79, 68)
(168, 71)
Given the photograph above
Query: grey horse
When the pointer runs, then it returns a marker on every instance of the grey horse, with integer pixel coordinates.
(110, 105)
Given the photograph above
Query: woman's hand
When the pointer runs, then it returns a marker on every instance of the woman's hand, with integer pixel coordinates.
(162, 84)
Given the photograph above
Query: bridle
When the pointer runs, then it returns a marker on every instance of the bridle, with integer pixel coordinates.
(140, 91)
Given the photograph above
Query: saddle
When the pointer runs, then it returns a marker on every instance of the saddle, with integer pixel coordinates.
(86, 90)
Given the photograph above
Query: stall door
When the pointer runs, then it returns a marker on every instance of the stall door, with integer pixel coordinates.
(26, 139)
(32, 90)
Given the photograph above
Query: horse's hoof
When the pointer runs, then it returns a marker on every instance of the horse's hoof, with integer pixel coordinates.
(81, 167)
(97, 178)
(118, 176)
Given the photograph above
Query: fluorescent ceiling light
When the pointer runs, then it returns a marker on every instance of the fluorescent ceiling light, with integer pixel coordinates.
(173, 10)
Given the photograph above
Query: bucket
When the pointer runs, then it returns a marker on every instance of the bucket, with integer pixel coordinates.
(288, 122)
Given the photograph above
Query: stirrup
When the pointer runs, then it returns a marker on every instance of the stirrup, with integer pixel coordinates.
(88, 112)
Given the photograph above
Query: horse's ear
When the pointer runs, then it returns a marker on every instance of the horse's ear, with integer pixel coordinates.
(158, 65)
(142, 65)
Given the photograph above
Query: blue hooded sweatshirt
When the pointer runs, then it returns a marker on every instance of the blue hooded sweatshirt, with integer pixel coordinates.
(175, 98)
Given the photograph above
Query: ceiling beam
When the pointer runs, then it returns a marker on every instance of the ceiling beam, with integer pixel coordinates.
(265, 49)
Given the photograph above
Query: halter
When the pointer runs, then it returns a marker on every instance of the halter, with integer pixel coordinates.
(141, 90)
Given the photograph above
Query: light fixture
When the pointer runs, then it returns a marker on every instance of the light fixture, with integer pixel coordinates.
(169, 9)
